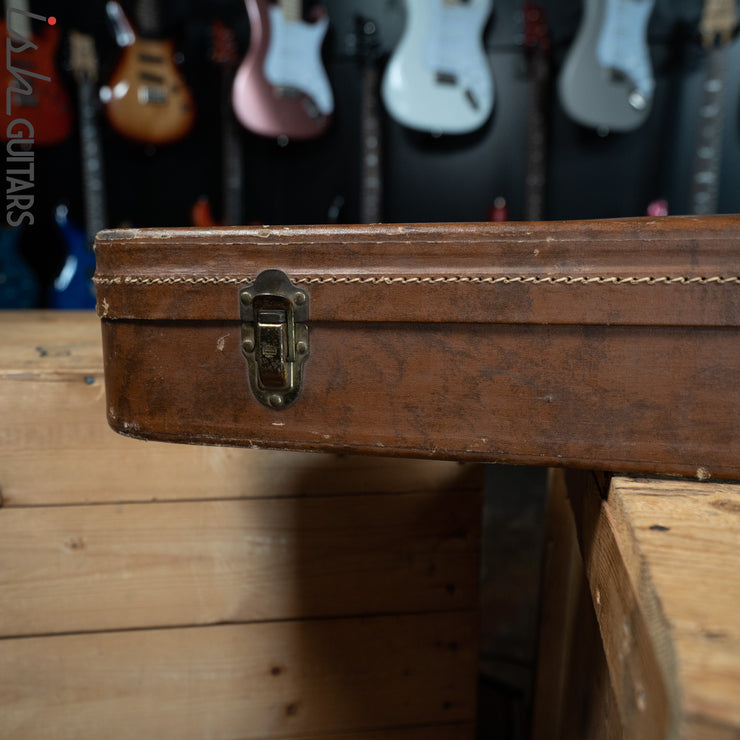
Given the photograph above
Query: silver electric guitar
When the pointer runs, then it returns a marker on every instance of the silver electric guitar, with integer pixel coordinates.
(607, 82)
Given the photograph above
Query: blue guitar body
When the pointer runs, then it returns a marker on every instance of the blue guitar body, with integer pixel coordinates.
(73, 287)
(18, 286)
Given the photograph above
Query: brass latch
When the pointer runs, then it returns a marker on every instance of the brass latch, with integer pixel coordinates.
(274, 339)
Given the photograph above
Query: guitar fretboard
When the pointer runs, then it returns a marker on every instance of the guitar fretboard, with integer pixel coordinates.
(707, 155)
(147, 17)
(371, 178)
(92, 161)
(233, 209)
(534, 196)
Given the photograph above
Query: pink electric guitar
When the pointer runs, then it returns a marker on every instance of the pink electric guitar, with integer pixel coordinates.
(281, 89)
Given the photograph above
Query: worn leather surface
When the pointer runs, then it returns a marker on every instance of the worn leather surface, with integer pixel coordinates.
(605, 344)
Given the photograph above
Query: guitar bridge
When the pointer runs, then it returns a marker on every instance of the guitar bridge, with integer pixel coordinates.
(152, 95)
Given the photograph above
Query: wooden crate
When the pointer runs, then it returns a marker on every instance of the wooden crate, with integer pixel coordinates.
(640, 635)
(153, 590)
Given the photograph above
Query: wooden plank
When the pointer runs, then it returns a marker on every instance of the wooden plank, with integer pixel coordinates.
(56, 447)
(79, 568)
(681, 546)
(637, 664)
(662, 558)
(574, 697)
(458, 731)
(248, 681)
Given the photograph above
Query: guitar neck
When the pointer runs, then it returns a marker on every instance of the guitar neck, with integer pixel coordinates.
(292, 10)
(92, 161)
(17, 19)
(534, 196)
(707, 155)
(371, 167)
(147, 17)
(233, 210)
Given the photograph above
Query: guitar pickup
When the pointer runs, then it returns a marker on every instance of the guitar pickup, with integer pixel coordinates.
(446, 78)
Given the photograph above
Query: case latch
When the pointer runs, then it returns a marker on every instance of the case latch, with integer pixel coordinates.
(274, 342)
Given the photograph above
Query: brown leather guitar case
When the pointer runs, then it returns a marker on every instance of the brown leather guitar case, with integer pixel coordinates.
(604, 344)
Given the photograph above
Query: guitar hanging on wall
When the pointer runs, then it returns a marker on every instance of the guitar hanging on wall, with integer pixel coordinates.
(607, 80)
(281, 89)
(73, 287)
(18, 283)
(537, 47)
(146, 99)
(438, 79)
(719, 22)
(32, 80)
(371, 132)
(224, 56)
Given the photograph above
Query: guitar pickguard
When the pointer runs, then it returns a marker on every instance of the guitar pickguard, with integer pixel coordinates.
(606, 81)
(621, 46)
(438, 78)
(293, 61)
(451, 53)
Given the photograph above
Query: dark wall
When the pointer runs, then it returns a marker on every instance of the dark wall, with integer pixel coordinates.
(426, 178)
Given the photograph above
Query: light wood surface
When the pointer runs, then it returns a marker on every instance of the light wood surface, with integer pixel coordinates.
(158, 591)
(56, 447)
(662, 559)
(73, 569)
(574, 697)
(681, 544)
(241, 681)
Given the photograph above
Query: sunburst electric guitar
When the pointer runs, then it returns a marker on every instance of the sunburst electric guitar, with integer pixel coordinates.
(146, 98)
(438, 78)
(281, 89)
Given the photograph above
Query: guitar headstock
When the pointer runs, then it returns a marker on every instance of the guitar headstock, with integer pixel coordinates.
(224, 45)
(536, 33)
(719, 22)
(83, 58)
(366, 40)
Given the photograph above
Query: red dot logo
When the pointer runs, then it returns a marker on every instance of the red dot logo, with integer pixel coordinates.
(51, 20)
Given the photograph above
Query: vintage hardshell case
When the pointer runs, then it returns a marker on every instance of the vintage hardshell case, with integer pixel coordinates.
(604, 344)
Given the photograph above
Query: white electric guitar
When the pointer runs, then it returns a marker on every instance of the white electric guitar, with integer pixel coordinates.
(438, 78)
(607, 80)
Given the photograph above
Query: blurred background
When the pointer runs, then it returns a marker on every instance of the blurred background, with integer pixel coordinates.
(590, 171)
(192, 112)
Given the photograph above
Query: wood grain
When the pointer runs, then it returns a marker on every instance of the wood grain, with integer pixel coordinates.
(242, 681)
(131, 574)
(662, 562)
(74, 569)
(457, 731)
(574, 696)
(683, 540)
(56, 447)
